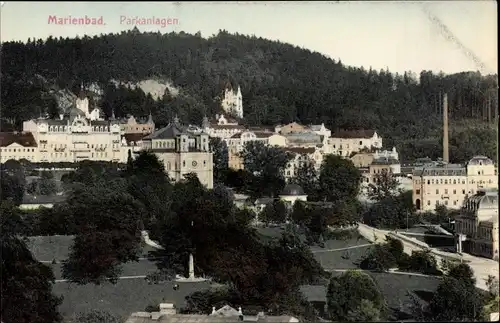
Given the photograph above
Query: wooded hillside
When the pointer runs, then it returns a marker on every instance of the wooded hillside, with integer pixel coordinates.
(280, 83)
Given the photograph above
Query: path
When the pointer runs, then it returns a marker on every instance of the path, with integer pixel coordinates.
(482, 267)
(340, 249)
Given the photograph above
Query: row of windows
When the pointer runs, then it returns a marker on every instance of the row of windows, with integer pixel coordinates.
(194, 164)
(65, 128)
(446, 182)
(24, 150)
(417, 191)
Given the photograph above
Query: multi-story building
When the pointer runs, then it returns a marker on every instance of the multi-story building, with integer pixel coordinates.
(291, 128)
(321, 130)
(345, 143)
(439, 183)
(233, 102)
(131, 125)
(222, 127)
(312, 156)
(17, 146)
(365, 157)
(478, 222)
(182, 152)
(75, 136)
(237, 143)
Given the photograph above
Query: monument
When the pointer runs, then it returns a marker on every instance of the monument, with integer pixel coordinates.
(191, 276)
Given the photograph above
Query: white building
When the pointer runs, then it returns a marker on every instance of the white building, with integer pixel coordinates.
(321, 130)
(75, 136)
(439, 183)
(478, 222)
(222, 127)
(233, 102)
(345, 143)
(237, 142)
(302, 156)
(182, 152)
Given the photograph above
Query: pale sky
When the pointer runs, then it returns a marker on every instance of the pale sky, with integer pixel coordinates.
(395, 35)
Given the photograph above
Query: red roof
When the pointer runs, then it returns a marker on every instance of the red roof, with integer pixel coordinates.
(24, 139)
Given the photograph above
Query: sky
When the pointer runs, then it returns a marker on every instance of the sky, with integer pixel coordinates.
(399, 36)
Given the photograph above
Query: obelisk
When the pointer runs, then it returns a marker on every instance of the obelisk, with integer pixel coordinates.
(191, 266)
(446, 157)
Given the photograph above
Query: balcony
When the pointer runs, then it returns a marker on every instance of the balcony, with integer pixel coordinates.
(59, 150)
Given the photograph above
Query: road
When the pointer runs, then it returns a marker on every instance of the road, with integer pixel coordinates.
(482, 267)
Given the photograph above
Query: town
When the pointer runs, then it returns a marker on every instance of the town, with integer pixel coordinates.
(464, 195)
(330, 164)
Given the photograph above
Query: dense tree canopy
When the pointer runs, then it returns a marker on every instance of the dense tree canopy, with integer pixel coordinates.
(280, 83)
(26, 283)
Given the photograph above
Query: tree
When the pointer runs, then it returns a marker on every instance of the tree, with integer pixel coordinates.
(462, 272)
(339, 179)
(11, 187)
(392, 212)
(105, 241)
(454, 300)
(275, 212)
(386, 186)
(97, 316)
(346, 294)
(267, 164)
(366, 312)
(300, 214)
(307, 178)
(219, 148)
(379, 258)
(24, 281)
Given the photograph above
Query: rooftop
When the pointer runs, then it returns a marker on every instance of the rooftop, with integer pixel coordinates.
(24, 139)
(353, 134)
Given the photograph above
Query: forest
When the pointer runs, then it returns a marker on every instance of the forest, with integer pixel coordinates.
(279, 82)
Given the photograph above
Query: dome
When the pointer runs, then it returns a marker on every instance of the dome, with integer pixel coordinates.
(480, 160)
(293, 190)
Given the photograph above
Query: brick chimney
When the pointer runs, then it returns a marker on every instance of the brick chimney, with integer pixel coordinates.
(446, 157)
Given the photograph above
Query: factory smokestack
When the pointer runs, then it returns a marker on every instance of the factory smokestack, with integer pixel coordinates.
(446, 157)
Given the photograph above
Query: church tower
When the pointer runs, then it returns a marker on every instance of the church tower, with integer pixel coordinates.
(82, 102)
(233, 102)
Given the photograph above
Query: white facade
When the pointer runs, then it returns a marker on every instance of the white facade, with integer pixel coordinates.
(237, 143)
(223, 127)
(302, 156)
(182, 152)
(233, 102)
(345, 143)
(450, 184)
(321, 130)
(478, 221)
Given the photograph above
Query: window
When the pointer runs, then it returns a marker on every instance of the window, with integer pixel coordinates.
(432, 181)
(446, 181)
(437, 191)
(360, 143)
(454, 191)
(446, 202)
(441, 181)
(429, 202)
(417, 192)
(428, 182)
(454, 181)
(446, 191)
(183, 163)
(454, 202)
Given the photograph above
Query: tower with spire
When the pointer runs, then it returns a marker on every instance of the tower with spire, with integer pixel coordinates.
(233, 102)
(82, 102)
